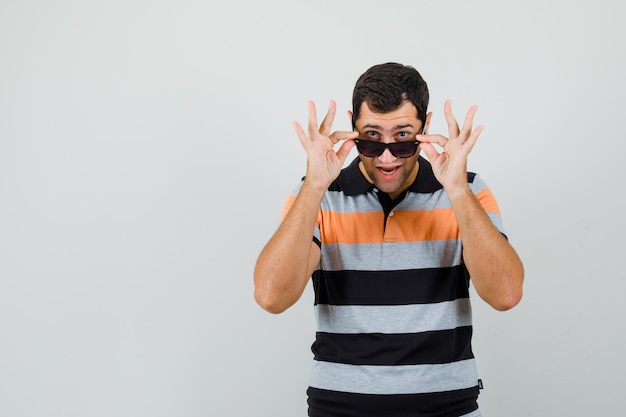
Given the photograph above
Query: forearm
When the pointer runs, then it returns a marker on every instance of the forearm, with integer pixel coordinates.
(283, 266)
(496, 270)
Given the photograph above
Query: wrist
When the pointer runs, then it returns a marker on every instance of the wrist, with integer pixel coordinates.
(460, 191)
(313, 189)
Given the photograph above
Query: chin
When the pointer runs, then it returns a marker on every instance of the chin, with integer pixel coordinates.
(386, 188)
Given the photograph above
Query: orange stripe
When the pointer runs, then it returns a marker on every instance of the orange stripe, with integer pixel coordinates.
(351, 227)
(403, 226)
(488, 201)
(287, 206)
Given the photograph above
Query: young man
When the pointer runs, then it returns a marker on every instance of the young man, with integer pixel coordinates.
(391, 243)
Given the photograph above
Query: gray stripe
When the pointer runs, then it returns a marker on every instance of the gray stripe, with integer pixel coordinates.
(369, 201)
(337, 201)
(407, 379)
(478, 184)
(340, 203)
(475, 413)
(392, 256)
(417, 318)
(497, 221)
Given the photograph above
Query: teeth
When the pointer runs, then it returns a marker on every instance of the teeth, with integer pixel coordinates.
(388, 172)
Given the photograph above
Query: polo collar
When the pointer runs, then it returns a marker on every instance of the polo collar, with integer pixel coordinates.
(352, 182)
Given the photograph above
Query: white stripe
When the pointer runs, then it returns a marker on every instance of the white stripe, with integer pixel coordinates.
(384, 380)
(352, 319)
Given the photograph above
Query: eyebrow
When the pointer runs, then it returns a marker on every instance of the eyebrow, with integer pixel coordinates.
(373, 126)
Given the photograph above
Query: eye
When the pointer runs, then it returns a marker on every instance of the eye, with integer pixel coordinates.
(402, 135)
(371, 134)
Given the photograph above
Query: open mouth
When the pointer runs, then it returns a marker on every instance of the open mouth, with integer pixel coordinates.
(388, 171)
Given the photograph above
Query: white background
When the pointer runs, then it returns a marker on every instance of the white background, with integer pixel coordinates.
(146, 150)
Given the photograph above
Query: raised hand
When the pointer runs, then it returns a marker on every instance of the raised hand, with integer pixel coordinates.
(450, 165)
(323, 162)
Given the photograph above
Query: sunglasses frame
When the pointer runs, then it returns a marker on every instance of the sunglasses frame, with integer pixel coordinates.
(384, 146)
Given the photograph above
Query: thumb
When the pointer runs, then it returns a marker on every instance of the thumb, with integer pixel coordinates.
(344, 149)
(429, 150)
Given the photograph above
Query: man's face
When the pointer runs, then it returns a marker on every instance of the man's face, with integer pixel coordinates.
(388, 173)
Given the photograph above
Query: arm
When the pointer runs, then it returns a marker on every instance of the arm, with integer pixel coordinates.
(290, 257)
(496, 270)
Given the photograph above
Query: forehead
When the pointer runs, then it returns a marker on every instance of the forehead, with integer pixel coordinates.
(405, 115)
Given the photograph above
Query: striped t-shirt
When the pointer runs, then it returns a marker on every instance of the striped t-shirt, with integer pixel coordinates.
(392, 306)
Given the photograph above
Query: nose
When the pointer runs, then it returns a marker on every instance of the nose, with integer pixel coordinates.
(386, 156)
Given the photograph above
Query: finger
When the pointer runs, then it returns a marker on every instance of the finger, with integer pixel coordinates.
(438, 139)
(313, 131)
(300, 132)
(342, 135)
(344, 150)
(471, 141)
(327, 123)
(429, 150)
(469, 120)
(453, 126)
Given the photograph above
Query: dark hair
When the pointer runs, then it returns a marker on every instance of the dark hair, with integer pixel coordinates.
(384, 87)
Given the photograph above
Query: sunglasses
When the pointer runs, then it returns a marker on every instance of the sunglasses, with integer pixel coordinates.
(372, 149)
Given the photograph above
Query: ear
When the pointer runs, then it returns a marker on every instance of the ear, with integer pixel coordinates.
(350, 117)
(427, 125)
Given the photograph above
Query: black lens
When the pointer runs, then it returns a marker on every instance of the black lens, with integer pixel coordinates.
(403, 149)
(369, 148)
(373, 149)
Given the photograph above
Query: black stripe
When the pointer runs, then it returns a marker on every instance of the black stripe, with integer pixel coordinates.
(415, 286)
(434, 347)
(324, 403)
(351, 181)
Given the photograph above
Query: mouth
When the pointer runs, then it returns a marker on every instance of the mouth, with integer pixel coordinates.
(387, 171)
